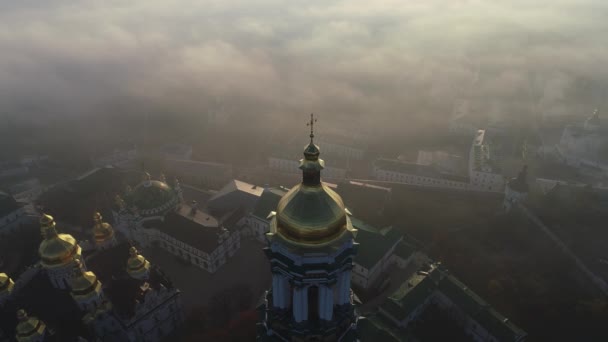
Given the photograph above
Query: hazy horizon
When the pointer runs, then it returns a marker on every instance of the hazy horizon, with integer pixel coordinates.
(388, 64)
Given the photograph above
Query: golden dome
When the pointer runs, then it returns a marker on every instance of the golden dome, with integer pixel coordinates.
(29, 328)
(84, 283)
(311, 213)
(137, 265)
(6, 284)
(56, 249)
(102, 231)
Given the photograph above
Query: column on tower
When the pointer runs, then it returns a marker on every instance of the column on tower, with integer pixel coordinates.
(275, 290)
(286, 293)
(326, 306)
(280, 287)
(344, 288)
(300, 306)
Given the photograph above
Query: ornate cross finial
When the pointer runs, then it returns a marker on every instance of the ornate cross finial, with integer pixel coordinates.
(311, 123)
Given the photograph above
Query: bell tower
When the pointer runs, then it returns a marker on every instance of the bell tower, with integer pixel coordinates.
(311, 249)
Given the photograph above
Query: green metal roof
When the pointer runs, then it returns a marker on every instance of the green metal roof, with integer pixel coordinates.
(372, 244)
(268, 202)
(421, 285)
(150, 195)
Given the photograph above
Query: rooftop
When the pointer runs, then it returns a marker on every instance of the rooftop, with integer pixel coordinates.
(199, 230)
(268, 202)
(373, 243)
(425, 283)
(240, 186)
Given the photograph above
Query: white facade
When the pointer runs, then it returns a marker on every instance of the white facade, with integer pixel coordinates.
(258, 228)
(413, 179)
(482, 174)
(227, 242)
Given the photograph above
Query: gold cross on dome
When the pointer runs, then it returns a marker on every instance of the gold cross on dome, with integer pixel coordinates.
(311, 123)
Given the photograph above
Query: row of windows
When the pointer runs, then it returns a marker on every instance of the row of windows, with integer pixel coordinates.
(409, 179)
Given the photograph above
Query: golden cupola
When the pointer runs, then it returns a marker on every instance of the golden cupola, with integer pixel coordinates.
(6, 283)
(311, 213)
(56, 249)
(102, 231)
(137, 266)
(85, 285)
(6, 287)
(29, 328)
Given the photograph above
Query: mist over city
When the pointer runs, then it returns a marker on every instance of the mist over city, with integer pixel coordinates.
(270, 170)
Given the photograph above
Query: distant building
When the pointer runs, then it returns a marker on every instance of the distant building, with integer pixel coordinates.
(153, 212)
(392, 170)
(585, 144)
(443, 160)
(432, 293)
(117, 158)
(176, 151)
(342, 148)
(116, 295)
(375, 255)
(234, 195)
(484, 174)
(366, 201)
(197, 173)
(259, 219)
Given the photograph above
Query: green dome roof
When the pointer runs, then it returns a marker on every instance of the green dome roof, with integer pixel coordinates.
(311, 215)
(150, 195)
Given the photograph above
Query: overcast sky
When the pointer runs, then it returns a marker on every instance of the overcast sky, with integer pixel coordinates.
(384, 59)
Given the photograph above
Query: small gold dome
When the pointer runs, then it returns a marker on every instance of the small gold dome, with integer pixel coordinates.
(84, 283)
(29, 328)
(56, 249)
(102, 231)
(6, 284)
(137, 265)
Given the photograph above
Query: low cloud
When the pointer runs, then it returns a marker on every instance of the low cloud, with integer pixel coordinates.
(375, 62)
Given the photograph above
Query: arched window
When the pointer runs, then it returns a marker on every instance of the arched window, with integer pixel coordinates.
(313, 303)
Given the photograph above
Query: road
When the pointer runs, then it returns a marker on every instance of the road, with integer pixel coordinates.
(599, 282)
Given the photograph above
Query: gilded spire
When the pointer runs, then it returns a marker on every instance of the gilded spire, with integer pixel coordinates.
(84, 284)
(311, 165)
(102, 231)
(47, 226)
(137, 266)
(311, 123)
(6, 284)
(56, 249)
